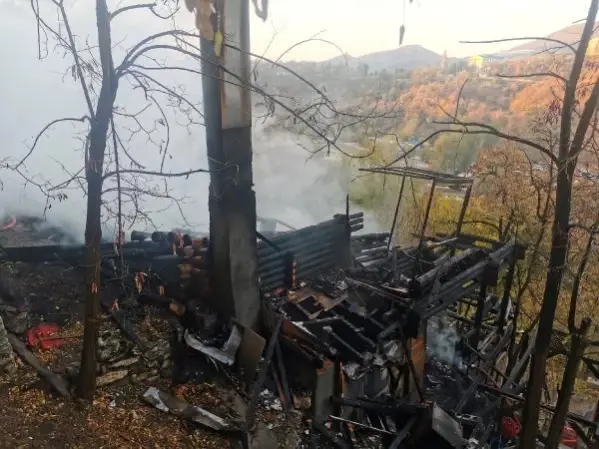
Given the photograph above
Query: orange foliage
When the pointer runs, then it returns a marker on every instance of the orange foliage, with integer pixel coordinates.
(542, 93)
(535, 96)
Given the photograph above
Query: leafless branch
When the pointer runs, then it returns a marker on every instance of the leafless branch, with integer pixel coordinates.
(512, 39)
(534, 75)
(43, 131)
(495, 132)
(73, 49)
(158, 173)
(149, 6)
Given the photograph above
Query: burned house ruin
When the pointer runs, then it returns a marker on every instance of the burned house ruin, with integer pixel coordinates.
(398, 347)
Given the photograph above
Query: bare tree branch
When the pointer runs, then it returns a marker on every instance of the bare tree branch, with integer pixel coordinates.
(73, 49)
(42, 132)
(149, 6)
(512, 39)
(160, 173)
(534, 75)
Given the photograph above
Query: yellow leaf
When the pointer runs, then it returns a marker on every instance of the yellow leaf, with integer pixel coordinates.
(138, 283)
(218, 43)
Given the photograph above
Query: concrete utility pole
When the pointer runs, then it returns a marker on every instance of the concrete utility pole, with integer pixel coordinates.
(228, 120)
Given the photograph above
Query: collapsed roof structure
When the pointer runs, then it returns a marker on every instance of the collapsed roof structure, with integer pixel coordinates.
(418, 346)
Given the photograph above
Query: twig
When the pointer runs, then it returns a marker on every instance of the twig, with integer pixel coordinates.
(44, 129)
(149, 6)
(511, 39)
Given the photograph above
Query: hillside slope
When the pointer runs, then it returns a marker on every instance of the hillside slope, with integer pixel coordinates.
(570, 35)
(405, 57)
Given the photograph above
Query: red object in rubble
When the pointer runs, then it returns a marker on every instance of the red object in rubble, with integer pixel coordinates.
(510, 427)
(9, 224)
(569, 437)
(43, 337)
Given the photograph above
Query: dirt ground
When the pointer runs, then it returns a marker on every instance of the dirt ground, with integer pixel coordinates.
(31, 416)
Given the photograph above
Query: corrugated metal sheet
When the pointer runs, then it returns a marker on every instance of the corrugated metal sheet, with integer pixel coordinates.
(313, 248)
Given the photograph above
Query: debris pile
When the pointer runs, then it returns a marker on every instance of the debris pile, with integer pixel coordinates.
(373, 337)
(7, 363)
(376, 345)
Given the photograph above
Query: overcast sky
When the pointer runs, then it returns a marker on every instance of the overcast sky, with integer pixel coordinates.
(360, 27)
(33, 93)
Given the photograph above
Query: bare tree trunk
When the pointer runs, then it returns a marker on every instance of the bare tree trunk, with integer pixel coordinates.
(93, 235)
(557, 259)
(567, 158)
(567, 387)
(576, 286)
(93, 228)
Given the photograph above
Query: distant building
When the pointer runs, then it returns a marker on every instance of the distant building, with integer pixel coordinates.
(444, 63)
(476, 61)
(593, 48)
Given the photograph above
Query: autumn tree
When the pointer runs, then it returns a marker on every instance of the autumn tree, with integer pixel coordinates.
(575, 115)
(116, 133)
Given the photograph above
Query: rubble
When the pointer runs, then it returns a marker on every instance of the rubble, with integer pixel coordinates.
(44, 336)
(179, 407)
(225, 355)
(56, 381)
(7, 362)
(375, 345)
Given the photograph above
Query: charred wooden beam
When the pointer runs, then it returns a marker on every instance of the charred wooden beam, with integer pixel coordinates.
(465, 204)
(507, 288)
(380, 407)
(336, 440)
(259, 383)
(446, 270)
(478, 317)
(395, 215)
(56, 381)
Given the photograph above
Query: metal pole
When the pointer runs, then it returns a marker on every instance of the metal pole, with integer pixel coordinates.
(421, 241)
(345, 250)
(478, 317)
(399, 197)
(507, 287)
(465, 204)
(427, 213)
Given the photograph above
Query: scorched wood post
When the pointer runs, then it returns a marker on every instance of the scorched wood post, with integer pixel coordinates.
(226, 75)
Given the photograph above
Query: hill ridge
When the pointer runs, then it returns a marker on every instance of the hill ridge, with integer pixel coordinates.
(404, 57)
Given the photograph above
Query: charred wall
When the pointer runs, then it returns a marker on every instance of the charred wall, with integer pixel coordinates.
(306, 251)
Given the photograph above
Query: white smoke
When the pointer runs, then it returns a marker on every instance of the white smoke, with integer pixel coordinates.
(289, 187)
(442, 338)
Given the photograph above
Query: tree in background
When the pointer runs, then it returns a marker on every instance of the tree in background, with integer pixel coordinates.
(554, 215)
(105, 145)
(570, 146)
(116, 135)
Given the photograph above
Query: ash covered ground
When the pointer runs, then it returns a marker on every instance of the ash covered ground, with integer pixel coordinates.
(32, 416)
